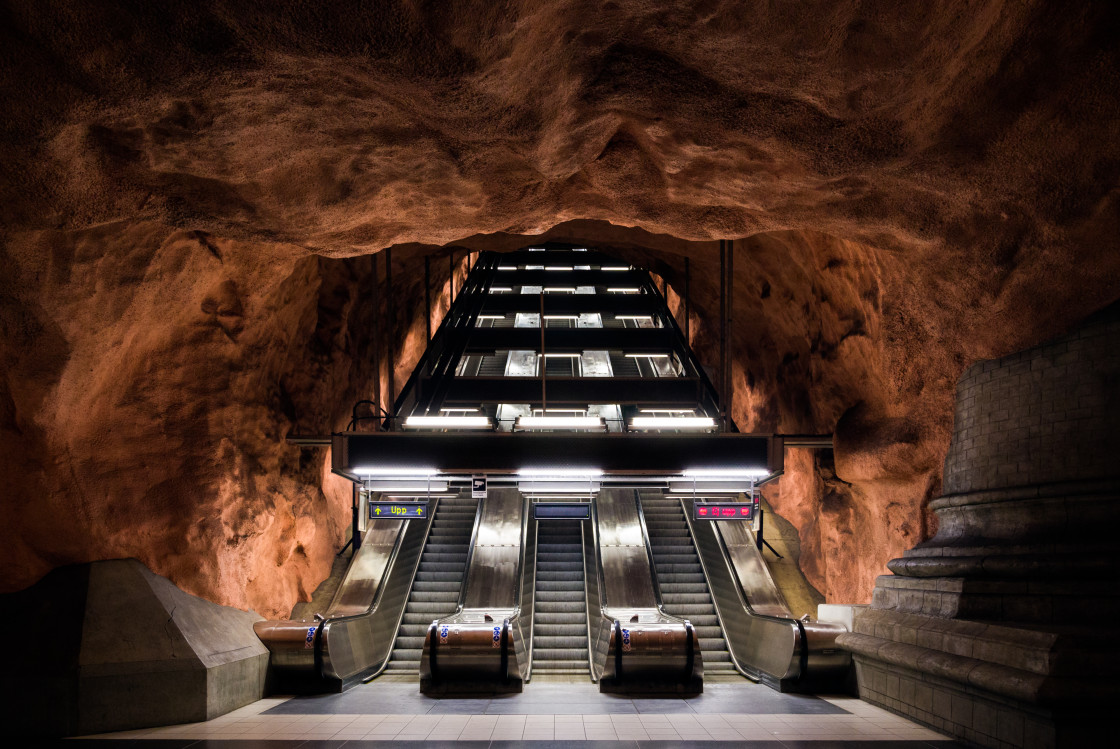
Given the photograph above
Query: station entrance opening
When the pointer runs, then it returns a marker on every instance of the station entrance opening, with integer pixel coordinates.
(559, 489)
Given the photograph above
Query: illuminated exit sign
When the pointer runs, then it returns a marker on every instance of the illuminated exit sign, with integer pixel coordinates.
(722, 511)
(398, 510)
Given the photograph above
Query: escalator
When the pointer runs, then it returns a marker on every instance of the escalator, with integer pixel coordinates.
(684, 589)
(560, 620)
(439, 580)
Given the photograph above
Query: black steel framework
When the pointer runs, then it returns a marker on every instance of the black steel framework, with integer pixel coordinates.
(438, 384)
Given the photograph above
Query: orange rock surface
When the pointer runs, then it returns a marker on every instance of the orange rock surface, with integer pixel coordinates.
(189, 196)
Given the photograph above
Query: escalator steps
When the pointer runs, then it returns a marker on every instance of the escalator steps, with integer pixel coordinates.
(684, 589)
(439, 579)
(560, 608)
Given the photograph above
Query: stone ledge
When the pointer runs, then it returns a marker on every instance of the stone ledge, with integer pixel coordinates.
(1012, 683)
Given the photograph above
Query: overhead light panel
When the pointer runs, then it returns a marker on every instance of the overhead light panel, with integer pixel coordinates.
(558, 267)
(565, 473)
(672, 422)
(715, 474)
(448, 422)
(614, 267)
(623, 290)
(560, 289)
(395, 471)
(500, 289)
(560, 422)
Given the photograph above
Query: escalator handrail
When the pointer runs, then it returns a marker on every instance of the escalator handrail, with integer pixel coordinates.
(739, 588)
(600, 607)
(390, 565)
(652, 564)
(467, 565)
(400, 617)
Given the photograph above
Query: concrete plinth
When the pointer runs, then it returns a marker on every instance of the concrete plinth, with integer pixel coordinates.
(1002, 629)
(111, 646)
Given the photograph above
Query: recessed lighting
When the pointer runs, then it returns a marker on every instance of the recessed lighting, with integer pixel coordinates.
(448, 422)
(672, 422)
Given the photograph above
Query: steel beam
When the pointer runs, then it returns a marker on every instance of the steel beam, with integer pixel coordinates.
(502, 452)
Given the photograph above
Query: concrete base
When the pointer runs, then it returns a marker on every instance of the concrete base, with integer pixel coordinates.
(111, 646)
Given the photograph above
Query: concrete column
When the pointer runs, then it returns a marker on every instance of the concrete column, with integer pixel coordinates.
(1001, 629)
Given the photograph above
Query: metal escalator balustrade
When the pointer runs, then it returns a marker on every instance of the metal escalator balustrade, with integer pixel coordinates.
(439, 580)
(560, 623)
(684, 588)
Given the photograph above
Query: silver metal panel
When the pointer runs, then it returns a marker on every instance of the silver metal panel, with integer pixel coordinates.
(759, 587)
(618, 519)
(627, 582)
(493, 584)
(359, 585)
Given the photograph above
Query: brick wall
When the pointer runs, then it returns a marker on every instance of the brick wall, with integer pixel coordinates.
(1042, 415)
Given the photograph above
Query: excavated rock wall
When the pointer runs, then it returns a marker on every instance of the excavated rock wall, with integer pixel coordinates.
(913, 188)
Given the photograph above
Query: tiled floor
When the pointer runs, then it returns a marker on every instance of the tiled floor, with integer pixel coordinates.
(556, 712)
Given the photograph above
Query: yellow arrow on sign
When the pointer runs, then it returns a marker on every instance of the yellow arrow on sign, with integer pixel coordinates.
(419, 510)
(377, 510)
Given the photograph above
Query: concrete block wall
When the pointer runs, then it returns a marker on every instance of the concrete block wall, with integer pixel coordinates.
(1041, 415)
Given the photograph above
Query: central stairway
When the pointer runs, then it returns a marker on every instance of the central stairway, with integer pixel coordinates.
(684, 589)
(560, 611)
(435, 591)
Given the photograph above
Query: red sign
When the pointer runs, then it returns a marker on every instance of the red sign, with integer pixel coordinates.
(725, 511)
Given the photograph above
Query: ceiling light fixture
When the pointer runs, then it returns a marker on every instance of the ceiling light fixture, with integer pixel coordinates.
(672, 422)
(448, 422)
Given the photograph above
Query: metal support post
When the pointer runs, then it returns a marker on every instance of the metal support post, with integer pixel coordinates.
(687, 300)
(428, 296)
(375, 330)
(390, 310)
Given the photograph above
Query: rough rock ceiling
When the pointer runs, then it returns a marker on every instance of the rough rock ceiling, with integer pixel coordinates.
(919, 185)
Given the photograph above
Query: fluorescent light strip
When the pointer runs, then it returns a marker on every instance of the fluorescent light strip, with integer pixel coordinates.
(614, 267)
(648, 356)
(448, 422)
(571, 497)
(725, 474)
(459, 409)
(633, 317)
(535, 249)
(499, 289)
(559, 356)
(667, 410)
(622, 290)
(424, 496)
(507, 267)
(561, 317)
(491, 317)
(566, 473)
(570, 289)
(559, 422)
(672, 422)
(558, 267)
(395, 471)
